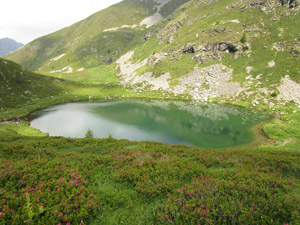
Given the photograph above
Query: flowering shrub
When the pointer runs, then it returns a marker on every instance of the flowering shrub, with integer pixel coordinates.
(60, 181)
(151, 172)
(247, 198)
(233, 187)
(43, 191)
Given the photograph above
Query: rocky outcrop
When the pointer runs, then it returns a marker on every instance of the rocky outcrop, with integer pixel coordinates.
(215, 47)
(292, 46)
(147, 36)
(176, 56)
(167, 33)
(156, 58)
(188, 48)
(213, 51)
(208, 82)
(154, 83)
(221, 46)
(295, 52)
(265, 5)
(205, 56)
(202, 84)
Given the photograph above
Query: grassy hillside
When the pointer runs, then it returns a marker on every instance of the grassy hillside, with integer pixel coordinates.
(73, 40)
(23, 91)
(89, 42)
(199, 23)
(84, 43)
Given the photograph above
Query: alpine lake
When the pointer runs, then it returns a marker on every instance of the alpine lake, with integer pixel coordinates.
(196, 124)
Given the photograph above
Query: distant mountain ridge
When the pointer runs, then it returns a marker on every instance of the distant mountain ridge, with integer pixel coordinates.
(8, 46)
(101, 38)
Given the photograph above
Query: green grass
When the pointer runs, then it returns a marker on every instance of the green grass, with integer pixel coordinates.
(19, 128)
(94, 76)
(24, 91)
(286, 129)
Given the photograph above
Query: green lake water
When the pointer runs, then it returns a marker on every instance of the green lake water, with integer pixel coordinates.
(196, 124)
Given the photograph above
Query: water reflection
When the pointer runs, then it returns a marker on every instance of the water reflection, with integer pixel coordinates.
(203, 125)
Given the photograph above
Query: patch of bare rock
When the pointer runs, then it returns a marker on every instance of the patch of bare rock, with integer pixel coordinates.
(266, 6)
(202, 84)
(289, 90)
(208, 82)
(127, 68)
(157, 17)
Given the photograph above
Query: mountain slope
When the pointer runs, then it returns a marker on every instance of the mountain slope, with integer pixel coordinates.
(8, 46)
(99, 39)
(245, 51)
(22, 90)
(200, 53)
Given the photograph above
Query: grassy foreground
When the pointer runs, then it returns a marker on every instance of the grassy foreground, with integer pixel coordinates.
(48, 180)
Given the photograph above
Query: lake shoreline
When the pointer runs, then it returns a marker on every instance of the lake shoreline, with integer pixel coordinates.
(214, 118)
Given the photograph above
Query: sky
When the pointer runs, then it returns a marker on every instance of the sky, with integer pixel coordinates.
(26, 20)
